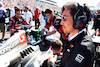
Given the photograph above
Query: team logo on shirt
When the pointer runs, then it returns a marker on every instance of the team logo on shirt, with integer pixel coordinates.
(79, 58)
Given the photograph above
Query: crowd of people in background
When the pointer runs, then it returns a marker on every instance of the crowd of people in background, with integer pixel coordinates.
(96, 19)
(73, 20)
(30, 4)
(30, 12)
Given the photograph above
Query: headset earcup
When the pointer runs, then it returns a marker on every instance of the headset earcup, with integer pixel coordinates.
(79, 23)
(76, 24)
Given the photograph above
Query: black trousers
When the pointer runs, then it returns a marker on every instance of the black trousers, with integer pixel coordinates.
(37, 24)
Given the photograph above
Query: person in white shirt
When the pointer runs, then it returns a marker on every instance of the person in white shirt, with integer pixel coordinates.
(27, 15)
(42, 20)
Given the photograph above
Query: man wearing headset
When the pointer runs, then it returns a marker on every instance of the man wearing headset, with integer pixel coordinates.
(78, 48)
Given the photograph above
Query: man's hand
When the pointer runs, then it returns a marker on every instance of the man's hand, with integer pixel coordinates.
(12, 30)
(42, 31)
(43, 37)
(52, 59)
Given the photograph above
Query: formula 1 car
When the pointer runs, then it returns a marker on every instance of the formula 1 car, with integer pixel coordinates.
(17, 52)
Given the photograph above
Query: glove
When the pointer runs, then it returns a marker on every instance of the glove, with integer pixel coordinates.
(43, 37)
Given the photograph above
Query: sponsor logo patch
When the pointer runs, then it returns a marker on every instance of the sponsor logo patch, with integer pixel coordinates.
(79, 58)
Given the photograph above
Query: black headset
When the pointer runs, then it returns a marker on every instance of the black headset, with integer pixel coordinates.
(80, 21)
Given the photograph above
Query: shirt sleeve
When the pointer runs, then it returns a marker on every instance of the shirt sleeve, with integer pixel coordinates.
(48, 26)
(55, 28)
(30, 15)
(10, 25)
(5, 14)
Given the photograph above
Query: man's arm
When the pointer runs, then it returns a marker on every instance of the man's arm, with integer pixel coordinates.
(46, 27)
(11, 22)
(24, 21)
(51, 60)
(5, 15)
(42, 31)
(30, 17)
(52, 32)
(49, 33)
(11, 26)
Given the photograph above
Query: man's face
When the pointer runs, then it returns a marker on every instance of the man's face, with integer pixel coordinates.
(18, 14)
(49, 16)
(67, 21)
(26, 9)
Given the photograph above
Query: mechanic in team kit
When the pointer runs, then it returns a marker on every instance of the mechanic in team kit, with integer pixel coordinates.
(16, 21)
(53, 21)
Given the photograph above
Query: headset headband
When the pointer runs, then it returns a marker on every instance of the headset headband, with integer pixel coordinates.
(80, 8)
(79, 21)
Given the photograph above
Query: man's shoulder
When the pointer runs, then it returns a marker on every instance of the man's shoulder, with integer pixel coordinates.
(12, 18)
(58, 19)
(2, 9)
(22, 17)
(85, 47)
(88, 43)
(29, 13)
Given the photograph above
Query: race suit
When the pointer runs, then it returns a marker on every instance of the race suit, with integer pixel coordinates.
(16, 23)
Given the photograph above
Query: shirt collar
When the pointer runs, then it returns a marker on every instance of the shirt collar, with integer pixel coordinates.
(72, 37)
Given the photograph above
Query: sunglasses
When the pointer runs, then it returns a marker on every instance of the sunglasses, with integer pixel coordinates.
(18, 14)
(64, 18)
